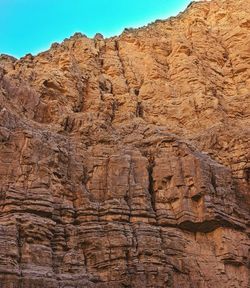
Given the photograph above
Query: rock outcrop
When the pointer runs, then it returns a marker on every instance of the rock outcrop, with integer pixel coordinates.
(124, 162)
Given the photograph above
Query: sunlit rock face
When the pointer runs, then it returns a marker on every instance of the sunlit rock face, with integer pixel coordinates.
(124, 162)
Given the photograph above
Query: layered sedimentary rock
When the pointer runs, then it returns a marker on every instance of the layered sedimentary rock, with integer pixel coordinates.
(124, 162)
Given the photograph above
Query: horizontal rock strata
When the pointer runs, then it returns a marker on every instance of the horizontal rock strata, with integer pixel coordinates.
(124, 162)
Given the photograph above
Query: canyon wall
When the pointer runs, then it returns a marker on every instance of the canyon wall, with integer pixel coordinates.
(124, 162)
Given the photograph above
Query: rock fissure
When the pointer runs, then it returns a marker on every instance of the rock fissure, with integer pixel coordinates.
(124, 161)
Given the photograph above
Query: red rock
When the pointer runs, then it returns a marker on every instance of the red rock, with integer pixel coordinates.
(124, 162)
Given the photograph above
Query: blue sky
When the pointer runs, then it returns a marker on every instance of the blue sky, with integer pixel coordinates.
(30, 26)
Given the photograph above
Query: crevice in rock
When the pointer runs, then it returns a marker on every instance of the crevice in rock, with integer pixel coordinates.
(128, 195)
(117, 48)
(247, 174)
(82, 92)
(67, 124)
(197, 197)
(78, 107)
(151, 181)
(213, 180)
(106, 218)
(105, 85)
(134, 239)
(139, 110)
(114, 106)
(19, 246)
(137, 91)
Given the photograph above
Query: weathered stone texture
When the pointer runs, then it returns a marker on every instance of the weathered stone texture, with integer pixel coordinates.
(124, 162)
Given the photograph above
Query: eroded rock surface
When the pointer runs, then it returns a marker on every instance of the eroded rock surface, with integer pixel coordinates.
(124, 162)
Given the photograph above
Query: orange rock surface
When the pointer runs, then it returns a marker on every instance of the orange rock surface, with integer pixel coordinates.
(124, 162)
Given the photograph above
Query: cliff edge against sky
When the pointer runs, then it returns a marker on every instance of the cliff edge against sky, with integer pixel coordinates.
(124, 162)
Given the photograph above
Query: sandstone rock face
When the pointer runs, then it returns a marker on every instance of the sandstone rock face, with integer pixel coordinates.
(124, 162)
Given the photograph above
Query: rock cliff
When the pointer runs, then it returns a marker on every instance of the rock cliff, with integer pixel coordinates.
(124, 162)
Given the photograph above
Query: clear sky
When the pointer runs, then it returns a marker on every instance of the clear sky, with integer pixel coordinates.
(30, 26)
